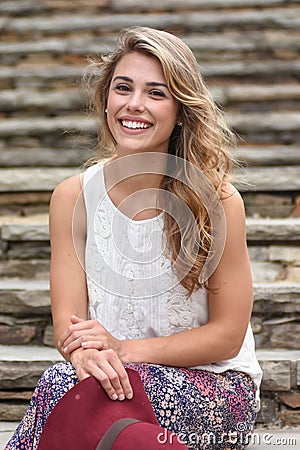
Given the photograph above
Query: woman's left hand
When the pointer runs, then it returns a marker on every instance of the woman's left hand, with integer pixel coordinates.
(86, 334)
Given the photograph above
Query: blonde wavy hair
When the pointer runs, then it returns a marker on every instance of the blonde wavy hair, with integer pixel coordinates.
(203, 140)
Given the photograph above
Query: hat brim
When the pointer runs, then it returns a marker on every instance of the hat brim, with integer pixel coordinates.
(85, 413)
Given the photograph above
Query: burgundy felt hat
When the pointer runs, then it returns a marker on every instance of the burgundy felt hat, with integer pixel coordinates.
(87, 419)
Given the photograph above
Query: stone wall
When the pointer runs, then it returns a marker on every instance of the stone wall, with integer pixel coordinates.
(248, 51)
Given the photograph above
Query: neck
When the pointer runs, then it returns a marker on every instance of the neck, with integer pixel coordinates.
(133, 182)
(136, 172)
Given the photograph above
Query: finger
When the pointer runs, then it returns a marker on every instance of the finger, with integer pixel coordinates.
(75, 333)
(72, 345)
(103, 376)
(94, 343)
(75, 319)
(67, 336)
(69, 330)
(63, 337)
(122, 384)
(101, 367)
(127, 388)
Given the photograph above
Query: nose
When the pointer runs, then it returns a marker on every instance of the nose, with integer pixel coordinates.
(135, 102)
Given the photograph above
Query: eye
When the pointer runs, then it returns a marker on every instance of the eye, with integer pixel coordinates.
(157, 93)
(122, 87)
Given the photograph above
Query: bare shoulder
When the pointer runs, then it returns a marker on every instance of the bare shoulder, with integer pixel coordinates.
(234, 210)
(231, 198)
(66, 193)
(65, 200)
(70, 187)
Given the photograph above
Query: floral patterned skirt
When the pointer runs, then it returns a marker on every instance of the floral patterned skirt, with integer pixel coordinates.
(206, 410)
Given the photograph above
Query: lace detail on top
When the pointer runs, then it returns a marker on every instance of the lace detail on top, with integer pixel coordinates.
(133, 290)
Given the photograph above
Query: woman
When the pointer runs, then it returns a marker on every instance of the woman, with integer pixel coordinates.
(149, 264)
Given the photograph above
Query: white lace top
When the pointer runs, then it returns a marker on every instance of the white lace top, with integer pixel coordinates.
(132, 289)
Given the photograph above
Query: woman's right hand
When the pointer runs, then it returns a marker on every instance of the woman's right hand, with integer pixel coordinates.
(106, 367)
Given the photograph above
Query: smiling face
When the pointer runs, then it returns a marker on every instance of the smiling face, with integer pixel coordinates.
(141, 112)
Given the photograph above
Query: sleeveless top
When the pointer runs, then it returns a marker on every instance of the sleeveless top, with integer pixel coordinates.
(132, 289)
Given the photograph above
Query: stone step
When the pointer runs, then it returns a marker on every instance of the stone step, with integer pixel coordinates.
(273, 247)
(16, 8)
(49, 74)
(25, 313)
(281, 369)
(57, 46)
(204, 47)
(157, 5)
(29, 297)
(24, 204)
(66, 157)
(269, 263)
(26, 7)
(30, 259)
(271, 205)
(280, 387)
(275, 262)
(275, 318)
(264, 122)
(35, 228)
(282, 230)
(36, 75)
(21, 366)
(14, 100)
(33, 179)
(50, 101)
(19, 296)
(28, 126)
(277, 297)
(254, 93)
(270, 179)
(253, 124)
(285, 17)
(250, 179)
(260, 155)
(33, 269)
(235, 68)
(273, 155)
(7, 429)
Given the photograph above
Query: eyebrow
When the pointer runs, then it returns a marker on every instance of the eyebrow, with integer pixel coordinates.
(130, 80)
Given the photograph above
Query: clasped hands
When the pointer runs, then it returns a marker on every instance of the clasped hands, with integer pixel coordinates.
(94, 351)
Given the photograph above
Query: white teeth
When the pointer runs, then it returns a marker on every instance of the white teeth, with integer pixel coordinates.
(133, 125)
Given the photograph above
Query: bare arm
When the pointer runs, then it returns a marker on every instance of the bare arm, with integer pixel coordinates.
(67, 276)
(229, 308)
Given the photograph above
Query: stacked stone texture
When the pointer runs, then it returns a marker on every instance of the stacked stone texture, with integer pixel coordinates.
(248, 51)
